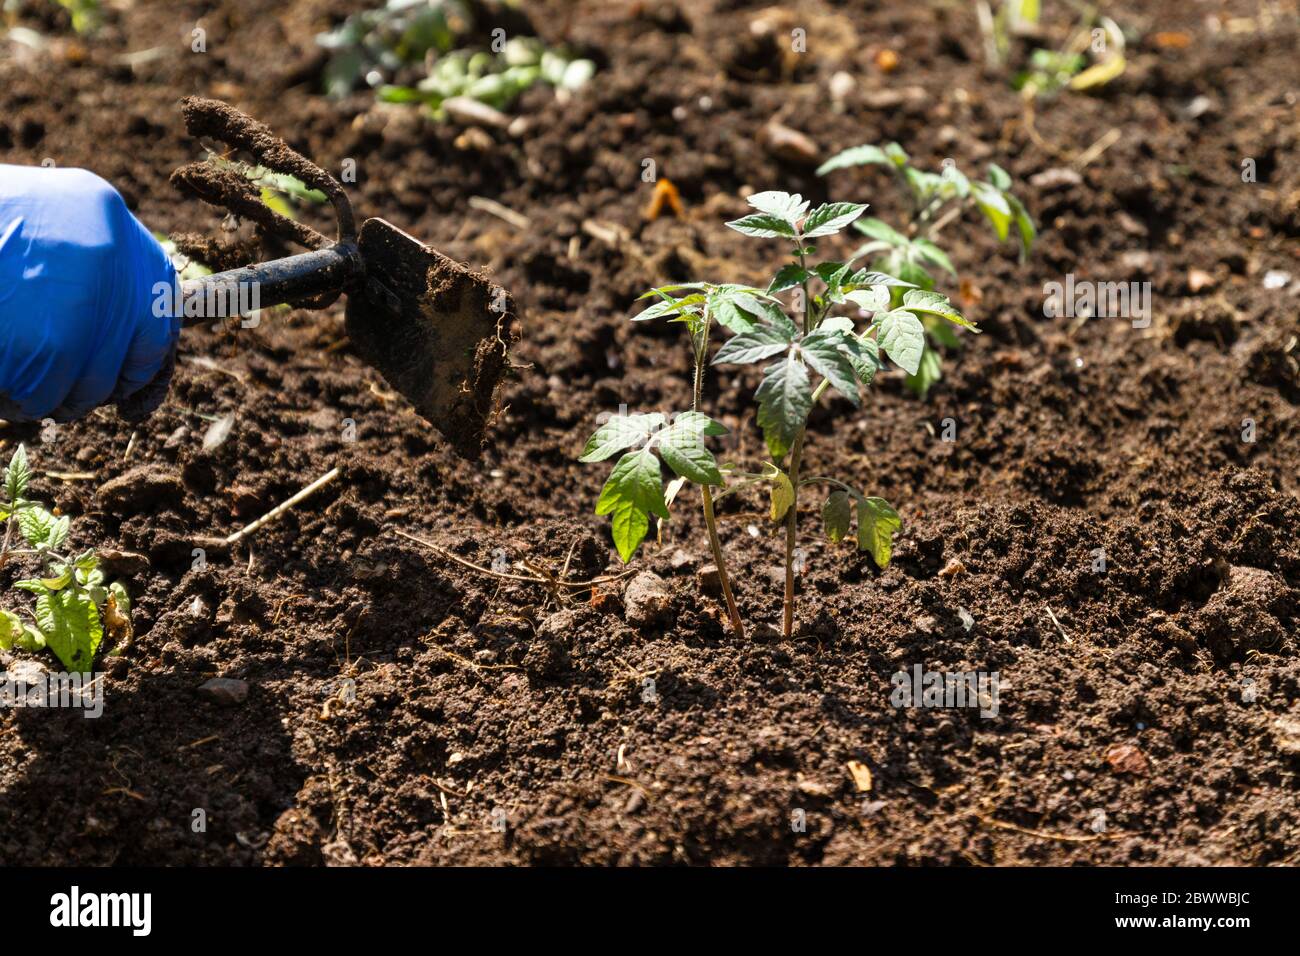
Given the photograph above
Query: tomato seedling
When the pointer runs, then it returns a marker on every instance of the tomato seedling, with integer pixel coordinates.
(70, 591)
(820, 342)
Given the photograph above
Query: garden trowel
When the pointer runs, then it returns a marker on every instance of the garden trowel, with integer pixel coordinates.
(436, 330)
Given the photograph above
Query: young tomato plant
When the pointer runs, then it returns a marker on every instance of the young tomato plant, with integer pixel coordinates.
(815, 351)
(912, 253)
(70, 591)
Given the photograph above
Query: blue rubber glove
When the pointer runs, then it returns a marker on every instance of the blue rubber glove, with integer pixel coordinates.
(83, 321)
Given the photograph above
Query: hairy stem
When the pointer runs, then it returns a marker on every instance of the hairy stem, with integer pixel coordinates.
(710, 520)
(796, 456)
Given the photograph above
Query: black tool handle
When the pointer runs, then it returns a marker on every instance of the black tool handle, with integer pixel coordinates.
(259, 286)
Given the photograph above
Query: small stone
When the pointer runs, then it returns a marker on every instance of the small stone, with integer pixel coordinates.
(680, 559)
(634, 802)
(226, 691)
(894, 97)
(788, 145)
(177, 438)
(1199, 280)
(485, 656)
(709, 579)
(841, 85)
(1127, 758)
(466, 111)
(646, 600)
(1058, 177)
(1276, 279)
(815, 788)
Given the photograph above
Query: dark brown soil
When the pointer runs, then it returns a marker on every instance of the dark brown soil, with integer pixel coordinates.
(405, 708)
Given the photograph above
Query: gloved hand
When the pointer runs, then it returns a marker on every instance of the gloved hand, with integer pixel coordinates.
(82, 321)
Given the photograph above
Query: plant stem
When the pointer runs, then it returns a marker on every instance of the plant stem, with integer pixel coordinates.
(706, 496)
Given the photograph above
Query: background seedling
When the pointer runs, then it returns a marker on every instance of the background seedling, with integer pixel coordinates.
(405, 37)
(70, 590)
(913, 255)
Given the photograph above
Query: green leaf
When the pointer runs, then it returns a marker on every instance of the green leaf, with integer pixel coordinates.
(34, 585)
(782, 494)
(854, 156)
(670, 306)
(928, 373)
(748, 347)
(995, 208)
(874, 299)
(635, 478)
(828, 219)
(877, 524)
(782, 205)
(737, 307)
(11, 626)
(784, 400)
(999, 177)
(17, 474)
(867, 277)
(932, 303)
(1024, 225)
(30, 639)
(864, 354)
(619, 433)
(628, 527)
(61, 577)
(762, 226)
(700, 422)
(878, 229)
(836, 513)
(789, 276)
(924, 185)
(70, 623)
(896, 155)
(682, 449)
(821, 350)
(902, 336)
(928, 251)
(38, 526)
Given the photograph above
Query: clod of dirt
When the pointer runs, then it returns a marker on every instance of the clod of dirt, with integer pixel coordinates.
(647, 600)
(1286, 733)
(141, 489)
(1244, 614)
(709, 579)
(547, 653)
(127, 563)
(226, 691)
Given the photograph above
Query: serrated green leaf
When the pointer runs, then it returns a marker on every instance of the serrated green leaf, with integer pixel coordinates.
(749, 347)
(874, 299)
(682, 449)
(628, 527)
(700, 422)
(854, 156)
(928, 373)
(70, 623)
(619, 433)
(670, 306)
(864, 354)
(877, 524)
(932, 303)
(17, 474)
(830, 218)
(37, 525)
(30, 639)
(789, 208)
(878, 229)
(837, 323)
(836, 515)
(34, 585)
(762, 226)
(869, 277)
(788, 276)
(822, 350)
(784, 400)
(902, 337)
(636, 478)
